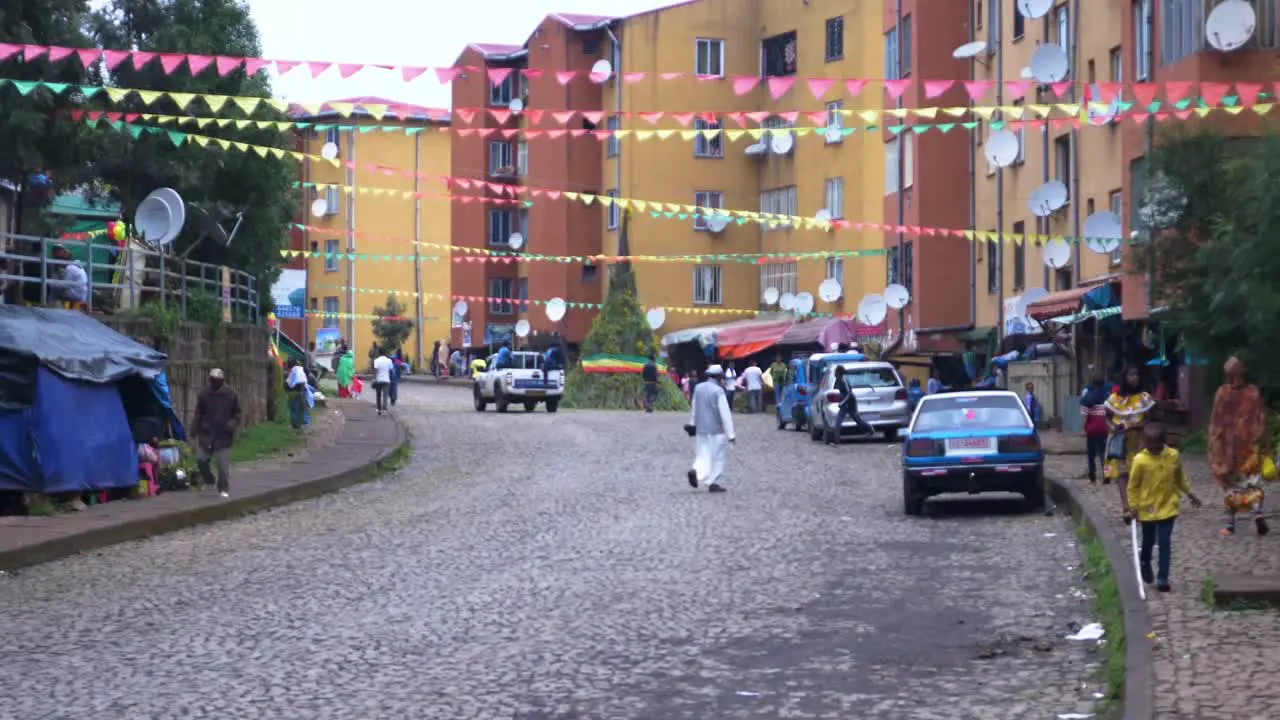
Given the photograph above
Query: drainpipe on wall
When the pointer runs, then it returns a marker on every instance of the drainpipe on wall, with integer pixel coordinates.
(902, 168)
(1146, 163)
(1043, 224)
(351, 241)
(999, 259)
(417, 247)
(1074, 29)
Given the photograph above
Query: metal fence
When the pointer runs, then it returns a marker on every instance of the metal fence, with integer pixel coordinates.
(122, 278)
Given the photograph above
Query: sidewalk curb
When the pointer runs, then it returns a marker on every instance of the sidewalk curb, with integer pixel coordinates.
(1139, 678)
(91, 540)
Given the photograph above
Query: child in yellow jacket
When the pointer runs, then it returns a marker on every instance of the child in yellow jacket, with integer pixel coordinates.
(1156, 485)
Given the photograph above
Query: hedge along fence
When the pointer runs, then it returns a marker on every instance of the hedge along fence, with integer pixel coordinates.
(617, 391)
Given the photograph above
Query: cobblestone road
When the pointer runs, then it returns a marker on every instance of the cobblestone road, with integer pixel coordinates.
(558, 566)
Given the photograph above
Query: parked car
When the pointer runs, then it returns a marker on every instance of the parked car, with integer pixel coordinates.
(798, 395)
(882, 399)
(971, 442)
(523, 380)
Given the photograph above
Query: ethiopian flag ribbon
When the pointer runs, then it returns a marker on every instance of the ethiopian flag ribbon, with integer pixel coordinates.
(611, 363)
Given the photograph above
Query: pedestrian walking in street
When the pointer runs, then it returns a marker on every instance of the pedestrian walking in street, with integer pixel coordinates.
(730, 384)
(435, 365)
(753, 381)
(848, 408)
(711, 423)
(1239, 447)
(1155, 488)
(935, 385)
(1093, 408)
(778, 374)
(1032, 403)
(649, 374)
(382, 369)
(295, 385)
(216, 420)
(346, 373)
(442, 358)
(398, 367)
(1127, 411)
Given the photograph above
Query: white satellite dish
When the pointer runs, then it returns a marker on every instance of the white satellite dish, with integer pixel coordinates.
(1056, 253)
(787, 301)
(897, 296)
(177, 207)
(601, 71)
(523, 328)
(1001, 148)
(320, 207)
(833, 135)
(1034, 8)
(1101, 113)
(830, 290)
(154, 221)
(969, 50)
(781, 142)
(1102, 232)
(556, 308)
(717, 222)
(329, 151)
(770, 295)
(1048, 198)
(516, 241)
(804, 303)
(823, 216)
(872, 309)
(1230, 25)
(1049, 63)
(460, 308)
(1026, 73)
(656, 317)
(516, 106)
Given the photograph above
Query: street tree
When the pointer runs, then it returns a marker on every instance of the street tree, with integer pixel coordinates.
(392, 325)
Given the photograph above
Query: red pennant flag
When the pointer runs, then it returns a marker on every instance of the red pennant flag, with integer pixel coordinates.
(317, 68)
(631, 78)
(465, 132)
(8, 50)
(1212, 93)
(789, 116)
(465, 115)
(819, 87)
(683, 118)
(977, 89)
(511, 133)
(594, 117)
(556, 134)
(446, 74)
(531, 74)
(1248, 93)
(817, 117)
(758, 117)
(196, 64)
(535, 116)
(1175, 91)
(346, 70)
(169, 62)
(253, 65)
(284, 66)
(532, 134)
(1183, 114)
(935, 88)
(744, 84)
(77, 114)
(895, 88)
(111, 59)
(500, 116)
(854, 87)
(140, 59)
(88, 57)
(485, 132)
(564, 77)
(563, 117)
(33, 52)
(779, 86)
(1061, 88)
(409, 74)
(1145, 94)
(1016, 89)
(738, 119)
(1109, 92)
(1139, 118)
(578, 133)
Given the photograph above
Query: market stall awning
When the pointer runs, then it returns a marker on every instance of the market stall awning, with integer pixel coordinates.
(705, 335)
(748, 337)
(1085, 315)
(1063, 302)
(823, 332)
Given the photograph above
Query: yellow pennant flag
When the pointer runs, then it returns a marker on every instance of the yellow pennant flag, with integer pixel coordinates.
(929, 112)
(665, 134)
(182, 99)
(643, 135)
(955, 112)
(247, 104)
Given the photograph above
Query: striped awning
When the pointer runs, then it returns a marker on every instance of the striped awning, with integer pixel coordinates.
(1082, 316)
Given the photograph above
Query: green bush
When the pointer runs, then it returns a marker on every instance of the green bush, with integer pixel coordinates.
(617, 392)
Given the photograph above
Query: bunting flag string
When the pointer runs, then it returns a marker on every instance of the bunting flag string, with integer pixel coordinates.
(178, 138)
(524, 305)
(482, 255)
(776, 87)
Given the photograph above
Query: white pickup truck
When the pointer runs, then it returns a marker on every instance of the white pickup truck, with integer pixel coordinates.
(524, 381)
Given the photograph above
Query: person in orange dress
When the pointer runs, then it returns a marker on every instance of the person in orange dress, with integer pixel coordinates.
(1238, 442)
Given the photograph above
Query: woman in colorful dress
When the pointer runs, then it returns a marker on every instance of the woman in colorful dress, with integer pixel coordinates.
(1238, 443)
(1128, 410)
(346, 371)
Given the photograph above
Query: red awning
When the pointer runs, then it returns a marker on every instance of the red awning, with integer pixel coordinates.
(1063, 302)
(748, 337)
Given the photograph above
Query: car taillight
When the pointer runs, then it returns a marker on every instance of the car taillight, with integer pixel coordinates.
(833, 397)
(901, 394)
(1020, 444)
(922, 448)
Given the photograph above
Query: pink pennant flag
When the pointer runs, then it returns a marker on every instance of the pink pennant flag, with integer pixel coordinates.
(446, 74)
(895, 88)
(111, 59)
(631, 78)
(33, 52)
(510, 133)
(651, 117)
(977, 89)
(532, 134)
(1248, 93)
(169, 62)
(557, 134)
(1016, 89)
(758, 117)
(196, 64)
(1175, 91)
(683, 118)
(738, 118)
(578, 133)
(564, 77)
(500, 116)
(1060, 89)
(854, 87)
(252, 66)
(1109, 91)
(409, 74)
(935, 88)
(8, 50)
(284, 66)
(779, 86)
(789, 116)
(1184, 114)
(140, 59)
(88, 57)
(317, 68)
(465, 115)
(346, 70)
(743, 84)
(553, 194)
(602, 135)
(535, 116)
(819, 86)
(1139, 118)
(1213, 92)
(563, 117)
(817, 117)
(58, 54)
(671, 75)
(594, 117)
(531, 73)
(225, 65)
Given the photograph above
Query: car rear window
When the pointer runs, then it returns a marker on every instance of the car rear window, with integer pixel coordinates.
(876, 377)
(526, 361)
(960, 413)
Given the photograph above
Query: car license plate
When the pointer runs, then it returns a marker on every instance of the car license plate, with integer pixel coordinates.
(870, 416)
(537, 392)
(971, 446)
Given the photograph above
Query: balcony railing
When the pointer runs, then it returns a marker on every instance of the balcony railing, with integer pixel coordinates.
(1181, 28)
(122, 279)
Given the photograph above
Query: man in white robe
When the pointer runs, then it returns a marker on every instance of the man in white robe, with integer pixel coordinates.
(713, 430)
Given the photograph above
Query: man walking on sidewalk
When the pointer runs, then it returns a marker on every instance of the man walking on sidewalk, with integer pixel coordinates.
(649, 374)
(712, 425)
(382, 369)
(753, 380)
(217, 419)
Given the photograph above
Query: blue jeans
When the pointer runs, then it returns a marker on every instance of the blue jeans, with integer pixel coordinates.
(777, 401)
(1159, 532)
(296, 406)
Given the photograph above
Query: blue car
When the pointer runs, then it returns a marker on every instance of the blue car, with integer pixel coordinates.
(971, 442)
(805, 375)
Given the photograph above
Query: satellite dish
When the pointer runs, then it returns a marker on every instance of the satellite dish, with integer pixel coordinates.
(872, 309)
(329, 151)
(516, 241)
(601, 71)
(823, 216)
(897, 296)
(1001, 148)
(1099, 113)
(320, 207)
(969, 50)
(804, 303)
(1230, 25)
(717, 222)
(1049, 63)
(1048, 198)
(1026, 73)
(177, 208)
(1033, 9)
(460, 308)
(1102, 232)
(781, 142)
(656, 317)
(523, 328)
(833, 135)
(154, 221)
(516, 106)
(1057, 253)
(556, 309)
(829, 290)
(787, 301)
(770, 295)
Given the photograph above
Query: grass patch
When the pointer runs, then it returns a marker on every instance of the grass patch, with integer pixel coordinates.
(1207, 589)
(265, 439)
(1195, 443)
(1106, 604)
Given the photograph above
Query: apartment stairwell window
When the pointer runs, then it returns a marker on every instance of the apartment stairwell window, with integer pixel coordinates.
(708, 57)
(1180, 24)
(781, 204)
(781, 275)
(502, 93)
(709, 144)
(779, 56)
(1141, 40)
(835, 39)
(707, 288)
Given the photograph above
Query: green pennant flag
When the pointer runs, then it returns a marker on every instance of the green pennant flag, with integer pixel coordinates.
(997, 125)
(920, 129)
(175, 137)
(56, 87)
(23, 87)
(946, 127)
(134, 131)
(897, 129)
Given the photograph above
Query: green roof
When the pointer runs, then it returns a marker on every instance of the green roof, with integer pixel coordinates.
(77, 206)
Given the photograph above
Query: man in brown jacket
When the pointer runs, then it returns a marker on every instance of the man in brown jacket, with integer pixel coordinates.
(214, 427)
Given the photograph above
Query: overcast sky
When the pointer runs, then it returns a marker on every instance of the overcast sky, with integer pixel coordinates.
(412, 32)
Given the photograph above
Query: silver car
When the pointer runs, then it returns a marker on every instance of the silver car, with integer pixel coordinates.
(882, 400)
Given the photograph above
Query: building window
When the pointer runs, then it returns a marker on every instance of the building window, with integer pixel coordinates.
(780, 202)
(891, 165)
(591, 45)
(499, 226)
(706, 285)
(501, 93)
(708, 57)
(501, 163)
(522, 158)
(993, 21)
(835, 38)
(332, 200)
(333, 135)
(778, 55)
(906, 45)
(780, 275)
(908, 265)
(835, 269)
(615, 213)
(908, 159)
(1178, 30)
(590, 272)
(331, 255)
(522, 292)
(331, 312)
(1116, 200)
(1062, 21)
(891, 54)
(1021, 132)
(835, 121)
(707, 145)
(891, 265)
(613, 124)
(500, 296)
(1019, 24)
(524, 226)
(993, 266)
(1141, 40)
(1019, 256)
(1062, 277)
(1062, 159)
(777, 122)
(713, 199)
(1116, 61)
(835, 197)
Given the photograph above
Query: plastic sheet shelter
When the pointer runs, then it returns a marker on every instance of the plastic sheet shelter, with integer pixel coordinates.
(823, 332)
(744, 339)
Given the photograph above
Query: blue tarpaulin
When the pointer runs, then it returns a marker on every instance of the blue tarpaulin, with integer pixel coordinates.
(160, 388)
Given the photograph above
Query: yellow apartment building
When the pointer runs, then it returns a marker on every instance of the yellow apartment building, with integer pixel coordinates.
(1087, 161)
(374, 216)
